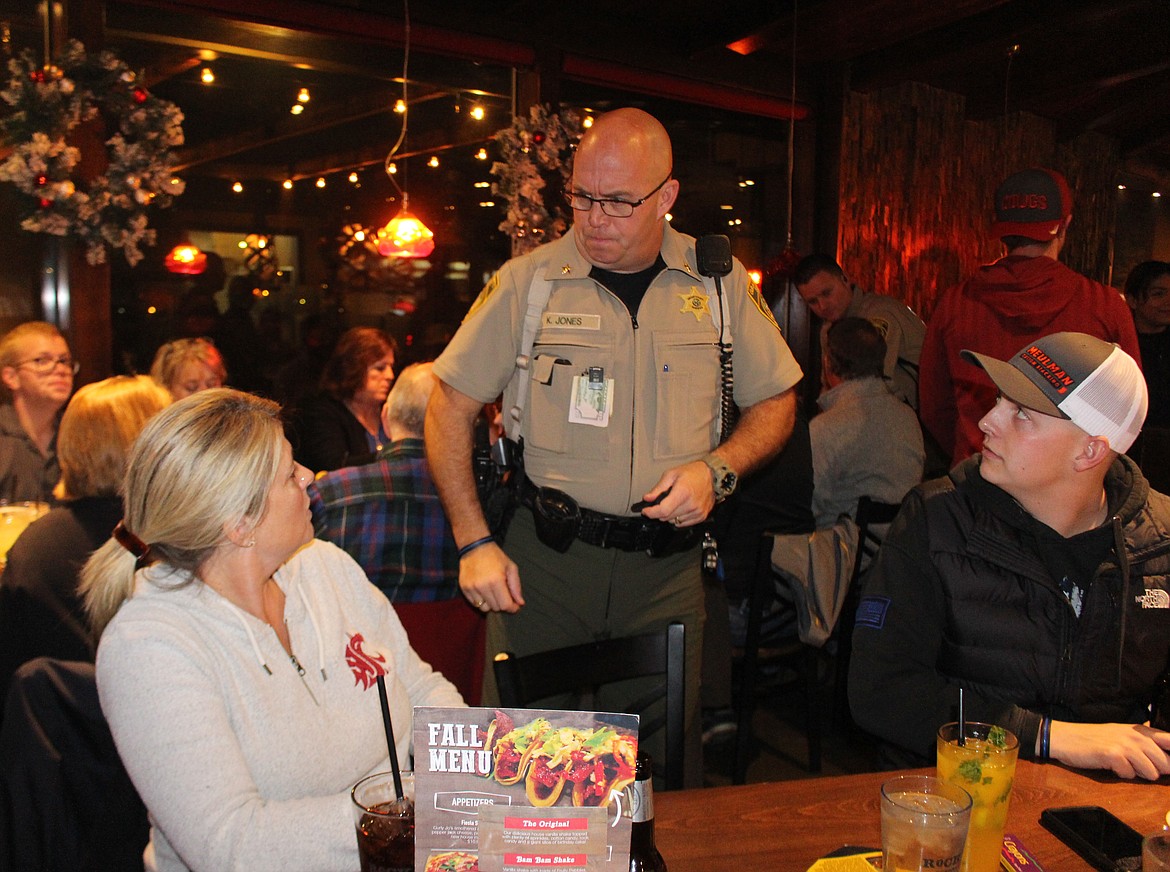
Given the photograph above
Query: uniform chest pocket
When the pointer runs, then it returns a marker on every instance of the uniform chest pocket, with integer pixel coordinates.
(687, 395)
(550, 394)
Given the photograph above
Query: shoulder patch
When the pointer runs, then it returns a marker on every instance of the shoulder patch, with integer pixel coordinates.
(756, 297)
(871, 612)
(488, 290)
(881, 324)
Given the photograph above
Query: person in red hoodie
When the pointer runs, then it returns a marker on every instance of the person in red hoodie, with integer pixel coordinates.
(1024, 295)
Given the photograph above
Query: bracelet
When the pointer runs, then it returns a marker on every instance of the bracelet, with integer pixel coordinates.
(471, 546)
(1045, 738)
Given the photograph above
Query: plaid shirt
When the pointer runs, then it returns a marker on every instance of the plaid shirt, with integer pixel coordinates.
(387, 516)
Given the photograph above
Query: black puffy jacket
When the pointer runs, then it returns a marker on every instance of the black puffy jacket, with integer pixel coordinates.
(958, 597)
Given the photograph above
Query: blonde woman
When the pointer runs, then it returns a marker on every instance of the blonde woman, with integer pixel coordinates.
(187, 366)
(237, 656)
(40, 611)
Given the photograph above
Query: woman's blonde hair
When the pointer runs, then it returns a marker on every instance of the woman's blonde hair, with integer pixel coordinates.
(98, 427)
(171, 357)
(200, 467)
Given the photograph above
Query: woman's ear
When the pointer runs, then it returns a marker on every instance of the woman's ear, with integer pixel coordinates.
(241, 533)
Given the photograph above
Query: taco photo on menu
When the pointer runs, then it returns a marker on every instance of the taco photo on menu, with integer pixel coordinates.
(604, 764)
(512, 747)
(548, 768)
(452, 861)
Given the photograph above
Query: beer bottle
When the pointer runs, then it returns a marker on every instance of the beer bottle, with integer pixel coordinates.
(644, 856)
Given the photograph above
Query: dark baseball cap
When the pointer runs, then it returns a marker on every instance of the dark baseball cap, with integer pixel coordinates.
(1078, 377)
(1032, 204)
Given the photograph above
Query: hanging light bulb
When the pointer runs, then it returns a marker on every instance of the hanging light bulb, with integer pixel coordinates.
(207, 75)
(185, 260)
(405, 235)
(353, 178)
(303, 95)
(238, 187)
(288, 184)
(477, 112)
(433, 162)
(481, 154)
(400, 107)
(320, 181)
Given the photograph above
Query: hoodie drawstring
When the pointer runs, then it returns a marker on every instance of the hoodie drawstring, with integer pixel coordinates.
(1123, 566)
(251, 636)
(316, 631)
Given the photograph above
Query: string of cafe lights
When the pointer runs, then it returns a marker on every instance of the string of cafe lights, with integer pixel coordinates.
(468, 104)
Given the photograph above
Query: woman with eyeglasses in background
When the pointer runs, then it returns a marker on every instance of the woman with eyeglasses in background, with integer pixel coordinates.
(37, 371)
(342, 425)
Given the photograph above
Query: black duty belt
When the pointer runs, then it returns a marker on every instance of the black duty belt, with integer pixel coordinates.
(657, 538)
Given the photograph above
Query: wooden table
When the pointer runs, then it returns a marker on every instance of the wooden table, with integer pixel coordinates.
(787, 825)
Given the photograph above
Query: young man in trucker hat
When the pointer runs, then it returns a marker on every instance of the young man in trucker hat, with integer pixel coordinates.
(1033, 577)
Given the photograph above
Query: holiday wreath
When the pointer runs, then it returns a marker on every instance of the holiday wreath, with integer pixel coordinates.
(48, 102)
(536, 150)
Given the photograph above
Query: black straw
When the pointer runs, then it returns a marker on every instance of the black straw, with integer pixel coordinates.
(962, 723)
(390, 736)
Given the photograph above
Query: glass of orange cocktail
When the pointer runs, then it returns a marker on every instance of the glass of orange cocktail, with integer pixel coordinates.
(985, 766)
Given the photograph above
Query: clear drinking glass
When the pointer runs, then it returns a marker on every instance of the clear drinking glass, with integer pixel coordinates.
(924, 823)
(1156, 852)
(385, 825)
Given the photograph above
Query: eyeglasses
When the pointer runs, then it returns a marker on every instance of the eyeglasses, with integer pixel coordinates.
(611, 207)
(46, 363)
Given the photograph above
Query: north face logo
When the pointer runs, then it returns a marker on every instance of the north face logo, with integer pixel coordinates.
(1154, 599)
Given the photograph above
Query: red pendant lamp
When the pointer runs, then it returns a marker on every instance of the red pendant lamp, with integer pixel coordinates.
(405, 235)
(185, 260)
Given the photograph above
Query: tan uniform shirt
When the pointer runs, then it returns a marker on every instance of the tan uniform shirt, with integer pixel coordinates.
(653, 402)
(903, 332)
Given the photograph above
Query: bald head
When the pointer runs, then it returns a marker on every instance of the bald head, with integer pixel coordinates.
(630, 135)
(406, 406)
(624, 156)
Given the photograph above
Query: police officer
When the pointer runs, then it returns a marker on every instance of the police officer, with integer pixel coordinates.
(621, 406)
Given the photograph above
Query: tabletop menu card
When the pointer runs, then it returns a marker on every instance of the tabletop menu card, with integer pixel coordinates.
(505, 790)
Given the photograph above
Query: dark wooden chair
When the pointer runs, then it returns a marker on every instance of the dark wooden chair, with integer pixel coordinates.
(804, 659)
(580, 670)
(870, 514)
(794, 654)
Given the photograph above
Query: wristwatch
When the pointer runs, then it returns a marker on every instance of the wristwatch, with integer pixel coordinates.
(723, 477)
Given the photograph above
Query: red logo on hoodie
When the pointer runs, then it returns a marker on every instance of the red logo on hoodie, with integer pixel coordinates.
(366, 667)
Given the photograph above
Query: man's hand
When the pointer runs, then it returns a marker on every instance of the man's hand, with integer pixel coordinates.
(490, 581)
(691, 497)
(1129, 750)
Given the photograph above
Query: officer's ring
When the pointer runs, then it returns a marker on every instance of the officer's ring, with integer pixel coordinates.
(481, 604)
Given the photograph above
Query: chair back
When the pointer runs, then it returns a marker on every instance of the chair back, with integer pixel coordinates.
(870, 513)
(580, 670)
(66, 802)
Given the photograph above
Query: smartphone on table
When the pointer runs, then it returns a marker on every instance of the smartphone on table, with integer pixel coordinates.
(1104, 840)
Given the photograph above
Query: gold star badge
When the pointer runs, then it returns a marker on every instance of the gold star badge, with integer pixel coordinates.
(695, 302)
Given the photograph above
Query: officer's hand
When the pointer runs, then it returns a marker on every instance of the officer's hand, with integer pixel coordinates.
(691, 497)
(1130, 750)
(490, 580)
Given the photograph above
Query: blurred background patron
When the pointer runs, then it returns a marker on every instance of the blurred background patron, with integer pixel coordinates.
(37, 370)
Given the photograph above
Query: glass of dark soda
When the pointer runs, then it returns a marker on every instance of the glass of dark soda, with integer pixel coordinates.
(385, 824)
